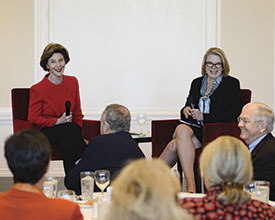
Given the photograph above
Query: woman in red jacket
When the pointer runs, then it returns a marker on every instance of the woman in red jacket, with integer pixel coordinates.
(47, 107)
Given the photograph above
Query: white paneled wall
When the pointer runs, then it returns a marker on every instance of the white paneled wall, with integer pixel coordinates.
(140, 53)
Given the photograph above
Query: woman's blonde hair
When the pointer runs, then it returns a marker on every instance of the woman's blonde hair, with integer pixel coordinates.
(218, 52)
(226, 161)
(145, 190)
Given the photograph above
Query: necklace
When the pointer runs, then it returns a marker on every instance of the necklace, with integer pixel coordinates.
(27, 187)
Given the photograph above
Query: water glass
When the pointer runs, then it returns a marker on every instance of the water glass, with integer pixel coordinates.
(259, 190)
(67, 194)
(87, 185)
(50, 187)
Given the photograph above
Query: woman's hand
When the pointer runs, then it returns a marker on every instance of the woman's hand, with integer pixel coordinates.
(187, 111)
(64, 119)
(196, 114)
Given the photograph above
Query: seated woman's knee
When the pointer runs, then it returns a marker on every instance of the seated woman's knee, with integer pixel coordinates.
(183, 129)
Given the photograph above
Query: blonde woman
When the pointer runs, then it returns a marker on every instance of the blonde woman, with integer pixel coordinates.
(226, 167)
(213, 97)
(145, 190)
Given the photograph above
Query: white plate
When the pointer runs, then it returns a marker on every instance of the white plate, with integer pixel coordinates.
(81, 202)
(272, 203)
(183, 195)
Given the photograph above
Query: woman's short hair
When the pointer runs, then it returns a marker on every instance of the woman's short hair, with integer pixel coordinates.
(263, 112)
(49, 50)
(145, 190)
(219, 52)
(28, 154)
(117, 116)
(226, 161)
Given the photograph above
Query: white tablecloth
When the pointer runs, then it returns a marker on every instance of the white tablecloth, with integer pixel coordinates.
(87, 211)
(99, 208)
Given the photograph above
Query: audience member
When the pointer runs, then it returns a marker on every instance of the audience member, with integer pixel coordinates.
(110, 150)
(47, 105)
(28, 156)
(256, 124)
(145, 190)
(226, 167)
(213, 97)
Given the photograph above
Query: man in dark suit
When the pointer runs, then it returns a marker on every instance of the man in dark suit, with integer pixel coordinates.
(256, 123)
(110, 150)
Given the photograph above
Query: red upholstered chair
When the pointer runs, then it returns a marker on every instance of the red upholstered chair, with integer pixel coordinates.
(162, 130)
(20, 105)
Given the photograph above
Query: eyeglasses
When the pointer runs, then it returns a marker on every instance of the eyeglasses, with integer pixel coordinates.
(211, 65)
(244, 120)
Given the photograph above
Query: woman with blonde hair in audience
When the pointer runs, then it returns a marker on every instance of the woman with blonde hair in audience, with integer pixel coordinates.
(145, 190)
(226, 167)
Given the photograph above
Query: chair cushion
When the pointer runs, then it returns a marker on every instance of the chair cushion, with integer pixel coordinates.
(19, 125)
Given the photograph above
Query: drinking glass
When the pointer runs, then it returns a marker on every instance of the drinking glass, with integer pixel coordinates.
(67, 194)
(259, 190)
(87, 185)
(102, 179)
(50, 187)
(141, 120)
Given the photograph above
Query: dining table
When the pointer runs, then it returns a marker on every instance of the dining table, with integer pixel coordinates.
(101, 203)
(97, 209)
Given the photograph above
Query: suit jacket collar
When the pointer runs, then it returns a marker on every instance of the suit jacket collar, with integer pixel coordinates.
(261, 145)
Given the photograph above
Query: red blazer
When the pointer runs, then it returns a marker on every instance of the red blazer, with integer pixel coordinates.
(47, 101)
(17, 204)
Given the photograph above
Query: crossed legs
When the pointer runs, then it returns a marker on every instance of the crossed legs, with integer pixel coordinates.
(183, 147)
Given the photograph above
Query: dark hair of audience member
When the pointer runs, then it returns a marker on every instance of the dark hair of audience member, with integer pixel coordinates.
(28, 154)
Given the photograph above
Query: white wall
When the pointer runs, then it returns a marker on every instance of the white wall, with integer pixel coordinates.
(152, 47)
(130, 52)
(247, 36)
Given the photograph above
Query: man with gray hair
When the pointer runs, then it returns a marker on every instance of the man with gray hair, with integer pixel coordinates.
(256, 123)
(110, 150)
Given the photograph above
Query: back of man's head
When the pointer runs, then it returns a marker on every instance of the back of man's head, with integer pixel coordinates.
(28, 154)
(117, 116)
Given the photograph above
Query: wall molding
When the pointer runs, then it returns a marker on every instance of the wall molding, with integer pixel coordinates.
(44, 22)
(6, 115)
(41, 33)
(212, 27)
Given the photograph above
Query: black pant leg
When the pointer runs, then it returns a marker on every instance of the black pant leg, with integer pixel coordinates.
(68, 136)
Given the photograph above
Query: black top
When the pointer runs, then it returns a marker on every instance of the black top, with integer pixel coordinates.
(109, 151)
(225, 105)
(263, 158)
